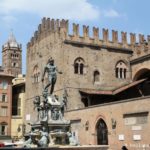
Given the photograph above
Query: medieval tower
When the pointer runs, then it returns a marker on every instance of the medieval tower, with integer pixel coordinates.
(12, 56)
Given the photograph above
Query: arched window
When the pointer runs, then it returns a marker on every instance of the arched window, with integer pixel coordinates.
(96, 76)
(14, 64)
(36, 74)
(79, 66)
(121, 70)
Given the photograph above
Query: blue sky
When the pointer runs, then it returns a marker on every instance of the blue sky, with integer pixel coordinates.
(23, 16)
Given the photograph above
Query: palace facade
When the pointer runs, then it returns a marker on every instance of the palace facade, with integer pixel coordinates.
(106, 82)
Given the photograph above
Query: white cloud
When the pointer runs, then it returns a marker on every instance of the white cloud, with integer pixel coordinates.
(111, 13)
(68, 9)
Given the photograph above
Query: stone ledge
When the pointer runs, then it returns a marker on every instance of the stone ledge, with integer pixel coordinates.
(85, 147)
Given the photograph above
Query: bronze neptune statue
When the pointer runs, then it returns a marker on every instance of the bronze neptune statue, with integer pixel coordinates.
(52, 71)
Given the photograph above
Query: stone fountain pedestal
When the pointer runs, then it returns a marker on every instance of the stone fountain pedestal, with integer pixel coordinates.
(51, 127)
(57, 130)
(56, 134)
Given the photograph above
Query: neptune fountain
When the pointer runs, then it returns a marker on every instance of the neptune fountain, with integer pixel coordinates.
(51, 128)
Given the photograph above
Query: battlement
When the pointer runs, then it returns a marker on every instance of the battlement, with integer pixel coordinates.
(102, 38)
(120, 41)
(47, 27)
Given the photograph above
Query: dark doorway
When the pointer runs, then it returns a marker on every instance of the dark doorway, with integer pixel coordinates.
(102, 133)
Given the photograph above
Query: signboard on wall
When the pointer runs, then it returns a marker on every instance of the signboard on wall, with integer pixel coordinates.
(136, 137)
(121, 137)
(27, 117)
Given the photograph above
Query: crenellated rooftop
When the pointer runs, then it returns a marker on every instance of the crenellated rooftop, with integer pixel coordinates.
(122, 41)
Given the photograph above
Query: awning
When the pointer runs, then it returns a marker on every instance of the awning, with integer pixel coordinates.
(96, 92)
(121, 89)
(111, 92)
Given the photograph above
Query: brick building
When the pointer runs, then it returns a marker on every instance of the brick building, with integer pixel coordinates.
(5, 105)
(107, 81)
(11, 67)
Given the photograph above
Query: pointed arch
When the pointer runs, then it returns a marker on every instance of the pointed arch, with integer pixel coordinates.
(96, 76)
(36, 74)
(121, 69)
(79, 65)
(102, 132)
